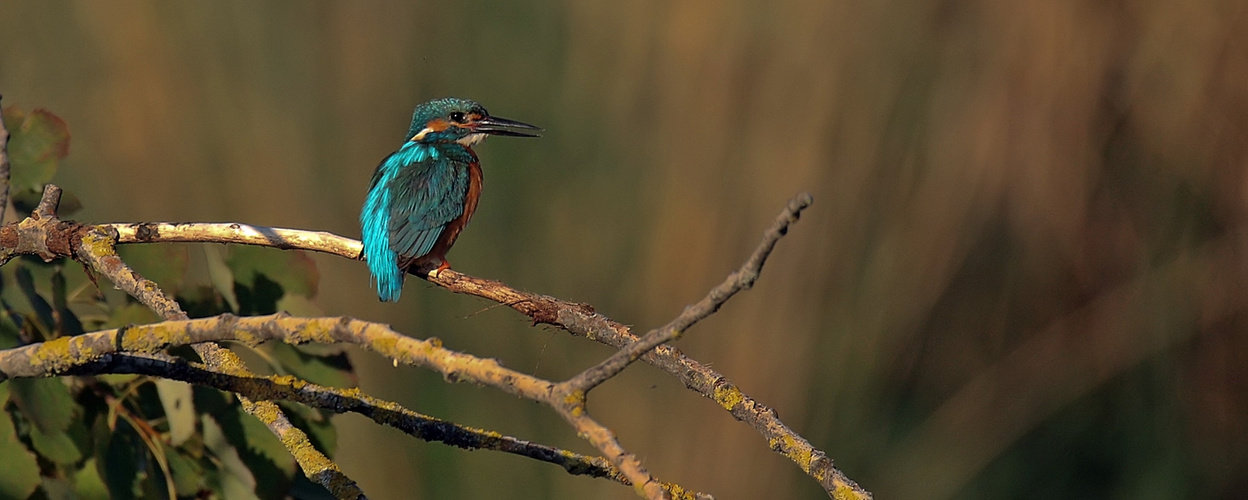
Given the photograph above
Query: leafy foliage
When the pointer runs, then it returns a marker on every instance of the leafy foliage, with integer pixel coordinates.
(123, 436)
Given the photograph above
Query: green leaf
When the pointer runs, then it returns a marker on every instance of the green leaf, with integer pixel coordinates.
(37, 143)
(10, 333)
(80, 433)
(42, 310)
(19, 474)
(88, 484)
(261, 451)
(201, 301)
(59, 301)
(188, 475)
(165, 264)
(258, 299)
(118, 457)
(235, 479)
(298, 305)
(56, 446)
(305, 489)
(46, 402)
(57, 488)
(67, 323)
(132, 313)
(212, 401)
(177, 400)
(294, 270)
(221, 275)
(315, 423)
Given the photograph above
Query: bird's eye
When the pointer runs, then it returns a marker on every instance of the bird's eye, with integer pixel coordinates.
(457, 117)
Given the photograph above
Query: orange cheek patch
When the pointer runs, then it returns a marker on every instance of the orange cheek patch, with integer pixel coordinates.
(437, 125)
(434, 125)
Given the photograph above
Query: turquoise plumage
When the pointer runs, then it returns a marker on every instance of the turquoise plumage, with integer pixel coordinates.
(422, 195)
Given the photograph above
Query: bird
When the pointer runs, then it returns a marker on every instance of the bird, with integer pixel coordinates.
(422, 195)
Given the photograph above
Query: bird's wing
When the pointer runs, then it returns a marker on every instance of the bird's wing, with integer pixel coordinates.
(427, 196)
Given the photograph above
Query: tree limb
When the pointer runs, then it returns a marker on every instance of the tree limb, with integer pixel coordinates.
(97, 248)
(43, 361)
(61, 355)
(578, 319)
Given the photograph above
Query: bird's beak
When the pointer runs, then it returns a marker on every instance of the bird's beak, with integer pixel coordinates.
(494, 125)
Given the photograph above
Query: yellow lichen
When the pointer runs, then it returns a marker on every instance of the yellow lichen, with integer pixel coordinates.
(387, 346)
(52, 355)
(728, 396)
(844, 492)
(247, 337)
(98, 243)
(149, 338)
(801, 455)
(312, 331)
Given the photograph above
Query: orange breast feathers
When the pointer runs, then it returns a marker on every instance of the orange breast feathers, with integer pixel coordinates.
(448, 236)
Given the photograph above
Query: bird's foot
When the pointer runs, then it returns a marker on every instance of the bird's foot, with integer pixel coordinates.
(437, 272)
(429, 266)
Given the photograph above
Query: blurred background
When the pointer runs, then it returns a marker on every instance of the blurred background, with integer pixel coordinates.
(1023, 275)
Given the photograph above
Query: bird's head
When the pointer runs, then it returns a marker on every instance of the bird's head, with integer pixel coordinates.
(463, 121)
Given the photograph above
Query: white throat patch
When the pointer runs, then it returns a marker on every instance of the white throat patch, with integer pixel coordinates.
(471, 139)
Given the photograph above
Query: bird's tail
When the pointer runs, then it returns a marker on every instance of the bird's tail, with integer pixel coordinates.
(382, 261)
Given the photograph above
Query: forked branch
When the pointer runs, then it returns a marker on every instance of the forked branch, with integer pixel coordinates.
(577, 319)
(95, 247)
(741, 279)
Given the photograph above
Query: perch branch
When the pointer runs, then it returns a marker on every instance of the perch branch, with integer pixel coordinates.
(576, 318)
(96, 246)
(203, 232)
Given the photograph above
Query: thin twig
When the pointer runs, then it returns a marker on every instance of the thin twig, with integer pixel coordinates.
(48, 203)
(741, 279)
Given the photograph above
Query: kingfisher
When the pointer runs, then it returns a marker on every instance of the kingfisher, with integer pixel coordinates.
(423, 195)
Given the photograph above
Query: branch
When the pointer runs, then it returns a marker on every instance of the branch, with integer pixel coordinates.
(97, 248)
(581, 320)
(47, 360)
(202, 232)
(576, 318)
(742, 279)
(62, 355)
(41, 234)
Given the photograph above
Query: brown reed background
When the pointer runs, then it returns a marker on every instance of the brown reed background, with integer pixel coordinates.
(1023, 277)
